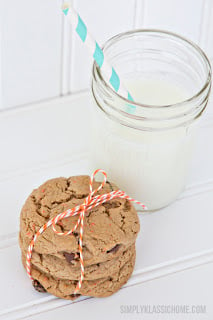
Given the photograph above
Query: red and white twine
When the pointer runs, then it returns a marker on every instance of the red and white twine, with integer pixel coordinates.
(89, 203)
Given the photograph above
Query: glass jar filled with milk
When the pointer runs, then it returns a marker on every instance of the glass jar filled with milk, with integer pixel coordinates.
(146, 146)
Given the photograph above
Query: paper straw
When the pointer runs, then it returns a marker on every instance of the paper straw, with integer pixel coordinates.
(108, 71)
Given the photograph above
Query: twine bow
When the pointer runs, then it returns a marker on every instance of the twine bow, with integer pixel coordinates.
(90, 202)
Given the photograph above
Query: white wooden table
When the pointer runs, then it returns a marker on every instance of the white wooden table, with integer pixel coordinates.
(175, 246)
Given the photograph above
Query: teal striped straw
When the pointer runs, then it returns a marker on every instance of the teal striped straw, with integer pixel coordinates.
(98, 55)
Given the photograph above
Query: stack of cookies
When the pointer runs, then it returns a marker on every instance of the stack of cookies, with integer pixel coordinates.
(110, 232)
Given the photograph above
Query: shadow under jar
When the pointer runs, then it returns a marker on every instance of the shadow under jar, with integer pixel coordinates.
(145, 147)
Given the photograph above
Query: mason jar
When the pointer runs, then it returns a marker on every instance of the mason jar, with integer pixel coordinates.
(146, 146)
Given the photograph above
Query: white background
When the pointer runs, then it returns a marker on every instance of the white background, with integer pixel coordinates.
(41, 58)
(44, 81)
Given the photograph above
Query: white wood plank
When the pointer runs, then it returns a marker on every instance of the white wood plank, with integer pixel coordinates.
(201, 169)
(48, 132)
(209, 44)
(1, 98)
(139, 13)
(104, 19)
(31, 50)
(206, 40)
(180, 16)
(176, 231)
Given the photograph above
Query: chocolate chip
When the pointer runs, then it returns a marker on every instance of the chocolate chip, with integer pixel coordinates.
(38, 286)
(69, 256)
(112, 205)
(77, 256)
(77, 295)
(114, 249)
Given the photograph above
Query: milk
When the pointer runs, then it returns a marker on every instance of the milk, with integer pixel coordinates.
(149, 166)
(155, 92)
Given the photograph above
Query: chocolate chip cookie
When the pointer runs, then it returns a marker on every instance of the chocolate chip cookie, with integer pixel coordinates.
(110, 232)
(64, 269)
(102, 287)
(111, 224)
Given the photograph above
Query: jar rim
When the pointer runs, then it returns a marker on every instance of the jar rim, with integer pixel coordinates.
(96, 70)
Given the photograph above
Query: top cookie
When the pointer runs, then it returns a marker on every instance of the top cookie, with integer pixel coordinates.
(108, 228)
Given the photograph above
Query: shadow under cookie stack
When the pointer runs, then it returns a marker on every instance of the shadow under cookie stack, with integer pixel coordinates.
(110, 232)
